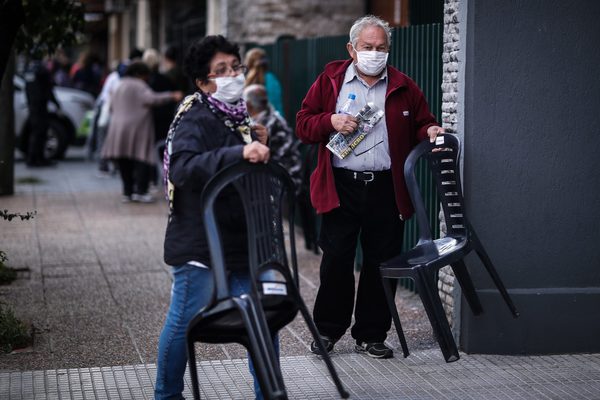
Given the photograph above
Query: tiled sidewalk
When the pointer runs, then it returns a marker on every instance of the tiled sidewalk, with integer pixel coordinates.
(420, 376)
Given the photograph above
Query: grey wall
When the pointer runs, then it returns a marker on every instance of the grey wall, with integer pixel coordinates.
(532, 172)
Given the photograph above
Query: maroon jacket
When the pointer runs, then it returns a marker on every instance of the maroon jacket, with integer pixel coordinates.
(313, 125)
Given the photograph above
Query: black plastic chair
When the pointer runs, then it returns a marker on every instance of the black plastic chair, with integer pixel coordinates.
(273, 300)
(423, 261)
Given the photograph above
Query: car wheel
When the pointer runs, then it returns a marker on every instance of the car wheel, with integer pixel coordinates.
(57, 140)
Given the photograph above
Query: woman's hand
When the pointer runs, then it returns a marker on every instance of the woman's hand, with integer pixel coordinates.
(261, 132)
(177, 96)
(256, 152)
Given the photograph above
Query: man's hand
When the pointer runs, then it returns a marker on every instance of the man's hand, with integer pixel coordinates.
(256, 152)
(261, 132)
(344, 123)
(433, 131)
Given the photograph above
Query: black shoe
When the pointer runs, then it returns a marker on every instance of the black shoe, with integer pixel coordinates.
(375, 350)
(328, 342)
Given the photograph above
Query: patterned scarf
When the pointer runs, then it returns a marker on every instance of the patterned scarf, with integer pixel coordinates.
(234, 116)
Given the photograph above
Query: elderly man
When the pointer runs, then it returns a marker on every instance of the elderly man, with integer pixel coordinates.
(364, 194)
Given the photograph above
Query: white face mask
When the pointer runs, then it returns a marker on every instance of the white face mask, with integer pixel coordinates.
(229, 88)
(371, 62)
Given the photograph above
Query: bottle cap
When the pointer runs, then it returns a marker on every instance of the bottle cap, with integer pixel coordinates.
(351, 96)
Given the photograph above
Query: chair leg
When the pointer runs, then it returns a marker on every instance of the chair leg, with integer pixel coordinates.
(266, 341)
(389, 296)
(487, 262)
(317, 337)
(426, 284)
(192, 366)
(464, 279)
(261, 350)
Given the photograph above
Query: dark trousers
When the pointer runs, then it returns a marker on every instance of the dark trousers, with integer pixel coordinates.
(367, 211)
(135, 176)
(37, 139)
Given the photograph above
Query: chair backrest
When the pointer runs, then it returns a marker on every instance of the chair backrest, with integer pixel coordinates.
(445, 169)
(264, 189)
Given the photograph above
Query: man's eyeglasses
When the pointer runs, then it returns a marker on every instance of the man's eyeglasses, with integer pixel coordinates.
(224, 70)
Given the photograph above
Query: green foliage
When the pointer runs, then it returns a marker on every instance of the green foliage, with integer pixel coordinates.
(9, 216)
(13, 333)
(7, 275)
(49, 24)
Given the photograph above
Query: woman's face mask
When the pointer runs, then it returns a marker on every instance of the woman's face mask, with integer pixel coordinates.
(229, 88)
(371, 62)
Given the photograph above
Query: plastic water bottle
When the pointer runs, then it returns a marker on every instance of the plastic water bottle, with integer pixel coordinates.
(348, 106)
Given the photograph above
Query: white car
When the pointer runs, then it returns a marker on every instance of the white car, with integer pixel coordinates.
(69, 125)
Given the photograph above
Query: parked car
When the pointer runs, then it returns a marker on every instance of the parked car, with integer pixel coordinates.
(68, 126)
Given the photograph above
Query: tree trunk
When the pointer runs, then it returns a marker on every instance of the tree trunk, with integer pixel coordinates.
(7, 130)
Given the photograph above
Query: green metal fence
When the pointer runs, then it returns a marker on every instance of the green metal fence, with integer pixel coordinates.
(416, 51)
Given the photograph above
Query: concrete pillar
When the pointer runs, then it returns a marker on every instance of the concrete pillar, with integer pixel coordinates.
(143, 34)
(216, 13)
(124, 34)
(162, 27)
(114, 44)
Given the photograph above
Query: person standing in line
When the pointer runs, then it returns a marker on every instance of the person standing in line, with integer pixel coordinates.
(88, 76)
(282, 143)
(258, 72)
(363, 195)
(162, 114)
(39, 89)
(130, 139)
(102, 112)
(211, 130)
(173, 71)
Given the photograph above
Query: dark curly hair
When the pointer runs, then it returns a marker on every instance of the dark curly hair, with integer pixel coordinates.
(199, 55)
(137, 69)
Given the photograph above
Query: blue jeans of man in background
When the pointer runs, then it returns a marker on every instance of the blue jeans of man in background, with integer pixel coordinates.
(192, 289)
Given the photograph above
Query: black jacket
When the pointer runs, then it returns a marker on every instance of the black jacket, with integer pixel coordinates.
(201, 146)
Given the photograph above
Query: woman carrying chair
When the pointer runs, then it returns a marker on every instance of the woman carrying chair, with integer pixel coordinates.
(210, 131)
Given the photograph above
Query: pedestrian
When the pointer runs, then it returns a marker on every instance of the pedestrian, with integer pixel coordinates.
(283, 144)
(162, 114)
(173, 71)
(130, 138)
(258, 72)
(102, 112)
(363, 195)
(211, 130)
(39, 89)
(88, 75)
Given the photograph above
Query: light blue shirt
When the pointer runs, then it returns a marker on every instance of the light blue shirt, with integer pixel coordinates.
(373, 153)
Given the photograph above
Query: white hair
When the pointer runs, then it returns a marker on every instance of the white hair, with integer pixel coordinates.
(152, 58)
(256, 95)
(369, 20)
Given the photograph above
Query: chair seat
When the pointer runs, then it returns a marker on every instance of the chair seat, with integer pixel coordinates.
(440, 251)
(224, 322)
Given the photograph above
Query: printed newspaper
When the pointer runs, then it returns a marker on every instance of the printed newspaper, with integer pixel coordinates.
(342, 145)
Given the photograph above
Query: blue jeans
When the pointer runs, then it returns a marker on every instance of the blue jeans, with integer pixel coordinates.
(192, 289)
